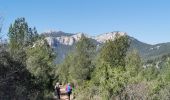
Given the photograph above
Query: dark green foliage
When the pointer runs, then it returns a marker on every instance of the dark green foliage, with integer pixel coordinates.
(32, 36)
(114, 52)
(82, 65)
(15, 80)
(109, 75)
(20, 36)
(26, 68)
(40, 63)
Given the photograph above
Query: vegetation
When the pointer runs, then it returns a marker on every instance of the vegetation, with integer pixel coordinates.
(28, 71)
(26, 64)
(78, 65)
(40, 64)
(120, 74)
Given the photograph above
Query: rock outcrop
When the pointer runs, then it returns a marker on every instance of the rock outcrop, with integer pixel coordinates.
(71, 39)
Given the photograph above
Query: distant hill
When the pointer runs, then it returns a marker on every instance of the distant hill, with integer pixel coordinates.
(150, 52)
(63, 43)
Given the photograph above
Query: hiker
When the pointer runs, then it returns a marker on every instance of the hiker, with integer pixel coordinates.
(57, 91)
(68, 90)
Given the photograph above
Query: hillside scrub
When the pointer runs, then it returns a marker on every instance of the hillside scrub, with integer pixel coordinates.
(109, 72)
(119, 74)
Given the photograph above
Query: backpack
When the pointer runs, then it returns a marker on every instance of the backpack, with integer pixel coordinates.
(68, 89)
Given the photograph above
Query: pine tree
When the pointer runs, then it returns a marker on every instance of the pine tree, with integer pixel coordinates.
(13, 67)
(110, 67)
(20, 36)
(114, 52)
(81, 66)
(40, 63)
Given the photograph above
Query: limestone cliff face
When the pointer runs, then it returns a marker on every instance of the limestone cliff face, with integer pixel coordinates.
(64, 40)
(108, 36)
(71, 39)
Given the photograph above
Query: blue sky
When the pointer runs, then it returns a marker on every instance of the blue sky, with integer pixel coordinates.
(146, 20)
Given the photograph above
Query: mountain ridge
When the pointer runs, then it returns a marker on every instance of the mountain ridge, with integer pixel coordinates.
(64, 42)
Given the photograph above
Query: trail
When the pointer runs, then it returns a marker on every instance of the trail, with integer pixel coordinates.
(63, 95)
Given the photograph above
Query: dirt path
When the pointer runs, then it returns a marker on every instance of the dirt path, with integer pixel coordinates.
(63, 95)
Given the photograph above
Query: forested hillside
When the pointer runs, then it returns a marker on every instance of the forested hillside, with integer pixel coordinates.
(113, 70)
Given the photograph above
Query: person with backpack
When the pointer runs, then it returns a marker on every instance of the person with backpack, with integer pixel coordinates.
(68, 90)
(57, 91)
